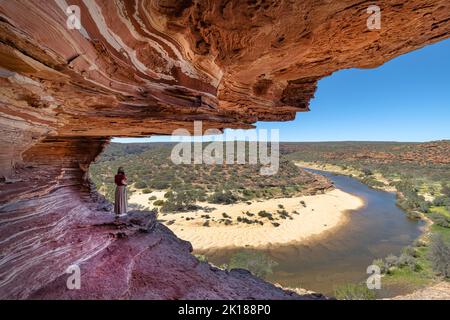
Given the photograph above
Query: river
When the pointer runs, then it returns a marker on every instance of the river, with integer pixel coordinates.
(376, 230)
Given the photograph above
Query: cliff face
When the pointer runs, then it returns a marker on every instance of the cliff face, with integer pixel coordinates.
(137, 68)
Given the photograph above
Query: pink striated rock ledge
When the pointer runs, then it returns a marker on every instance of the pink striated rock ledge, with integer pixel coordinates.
(145, 260)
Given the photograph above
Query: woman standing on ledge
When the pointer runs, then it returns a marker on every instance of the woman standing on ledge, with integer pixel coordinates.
(120, 205)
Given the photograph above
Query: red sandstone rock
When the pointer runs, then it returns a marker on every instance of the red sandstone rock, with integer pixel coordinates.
(152, 263)
(138, 68)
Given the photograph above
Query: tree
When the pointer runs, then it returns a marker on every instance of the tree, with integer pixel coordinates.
(440, 256)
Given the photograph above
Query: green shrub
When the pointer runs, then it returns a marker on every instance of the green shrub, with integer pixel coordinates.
(265, 214)
(180, 201)
(445, 190)
(246, 220)
(440, 220)
(372, 182)
(284, 214)
(419, 243)
(140, 185)
(222, 197)
(391, 261)
(256, 262)
(248, 213)
(160, 185)
(201, 257)
(151, 198)
(146, 191)
(413, 215)
(380, 264)
(158, 203)
(441, 201)
(354, 292)
(248, 193)
(168, 194)
(439, 256)
(405, 260)
(367, 171)
(424, 206)
(411, 251)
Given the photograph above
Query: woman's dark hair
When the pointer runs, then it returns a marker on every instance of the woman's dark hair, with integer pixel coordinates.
(120, 170)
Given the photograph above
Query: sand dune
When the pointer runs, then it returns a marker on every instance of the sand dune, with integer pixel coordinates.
(322, 213)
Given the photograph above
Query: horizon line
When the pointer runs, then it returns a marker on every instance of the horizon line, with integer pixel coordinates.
(292, 141)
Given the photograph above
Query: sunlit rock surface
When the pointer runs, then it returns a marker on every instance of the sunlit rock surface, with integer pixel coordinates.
(137, 68)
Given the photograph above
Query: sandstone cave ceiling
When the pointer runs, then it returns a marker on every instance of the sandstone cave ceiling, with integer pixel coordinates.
(137, 68)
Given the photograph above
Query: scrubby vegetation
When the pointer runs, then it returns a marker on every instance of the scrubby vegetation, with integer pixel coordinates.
(182, 200)
(201, 257)
(256, 262)
(410, 258)
(149, 168)
(223, 197)
(440, 256)
(425, 165)
(354, 292)
(420, 173)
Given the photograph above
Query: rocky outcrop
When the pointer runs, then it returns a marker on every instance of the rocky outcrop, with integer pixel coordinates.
(137, 68)
(145, 260)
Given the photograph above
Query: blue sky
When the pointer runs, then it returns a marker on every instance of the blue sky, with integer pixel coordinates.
(406, 99)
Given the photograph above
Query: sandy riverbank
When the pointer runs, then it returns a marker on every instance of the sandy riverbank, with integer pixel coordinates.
(318, 214)
(348, 171)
